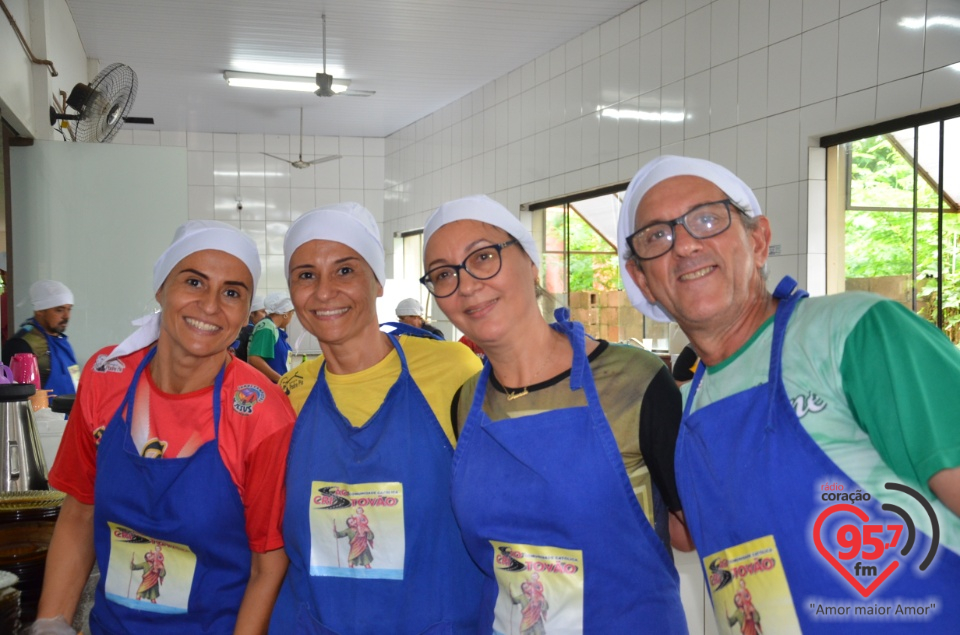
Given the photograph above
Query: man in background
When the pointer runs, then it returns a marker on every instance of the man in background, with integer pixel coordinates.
(410, 312)
(43, 335)
(257, 312)
(269, 350)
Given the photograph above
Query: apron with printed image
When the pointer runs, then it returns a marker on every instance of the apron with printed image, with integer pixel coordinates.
(750, 479)
(169, 534)
(64, 371)
(372, 541)
(549, 513)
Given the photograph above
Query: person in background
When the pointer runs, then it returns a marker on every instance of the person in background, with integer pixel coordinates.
(551, 464)
(371, 453)
(795, 401)
(44, 336)
(269, 351)
(177, 448)
(410, 312)
(258, 311)
(469, 343)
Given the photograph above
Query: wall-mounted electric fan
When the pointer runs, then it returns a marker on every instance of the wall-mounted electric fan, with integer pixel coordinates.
(102, 105)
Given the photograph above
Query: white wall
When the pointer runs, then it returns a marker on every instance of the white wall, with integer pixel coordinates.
(757, 81)
(95, 217)
(26, 89)
(223, 167)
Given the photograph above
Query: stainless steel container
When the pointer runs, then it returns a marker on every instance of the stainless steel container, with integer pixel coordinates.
(22, 466)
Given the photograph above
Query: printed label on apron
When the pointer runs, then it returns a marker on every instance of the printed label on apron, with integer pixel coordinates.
(748, 585)
(356, 531)
(74, 371)
(538, 585)
(147, 574)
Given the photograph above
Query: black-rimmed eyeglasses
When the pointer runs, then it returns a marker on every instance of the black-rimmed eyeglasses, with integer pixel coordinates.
(703, 221)
(482, 264)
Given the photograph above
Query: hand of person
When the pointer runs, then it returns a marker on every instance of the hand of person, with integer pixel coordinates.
(50, 626)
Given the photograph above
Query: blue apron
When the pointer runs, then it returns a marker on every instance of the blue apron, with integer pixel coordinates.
(748, 471)
(551, 493)
(61, 359)
(413, 575)
(280, 353)
(188, 506)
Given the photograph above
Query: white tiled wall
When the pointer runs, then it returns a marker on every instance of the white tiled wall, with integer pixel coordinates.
(224, 167)
(758, 82)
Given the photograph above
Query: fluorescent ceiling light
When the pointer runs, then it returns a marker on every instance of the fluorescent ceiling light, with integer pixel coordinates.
(936, 20)
(280, 82)
(642, 115)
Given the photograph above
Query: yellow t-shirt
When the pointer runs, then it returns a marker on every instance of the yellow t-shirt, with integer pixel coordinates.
(438, 368)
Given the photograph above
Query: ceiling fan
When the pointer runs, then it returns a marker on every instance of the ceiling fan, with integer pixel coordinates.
(300, 164)
(325, 82)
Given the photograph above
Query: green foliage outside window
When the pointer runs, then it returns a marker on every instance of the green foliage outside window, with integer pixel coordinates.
(592, 260)
(880, 243)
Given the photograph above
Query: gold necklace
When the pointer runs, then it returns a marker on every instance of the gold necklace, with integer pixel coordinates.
(516, 395)
(523, 392)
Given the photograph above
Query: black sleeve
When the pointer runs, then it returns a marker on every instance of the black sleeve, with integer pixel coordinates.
(455, 413)
(660, 415)
(13, 346)
(682, 368)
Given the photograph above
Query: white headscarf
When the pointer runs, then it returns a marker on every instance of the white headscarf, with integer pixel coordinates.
(46, 294)
(485, 210)
(257, 304)
(350, 224)
(189, 238)
(657, 171)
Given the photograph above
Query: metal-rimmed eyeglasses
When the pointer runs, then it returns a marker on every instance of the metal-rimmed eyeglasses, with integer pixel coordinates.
(703, 221)
(482, 264)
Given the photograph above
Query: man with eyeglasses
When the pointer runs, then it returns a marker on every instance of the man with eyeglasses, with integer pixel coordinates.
(798, 403)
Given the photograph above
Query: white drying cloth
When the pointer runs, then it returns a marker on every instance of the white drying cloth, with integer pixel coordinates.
(658, 170)
(485, 210)
(350, 224)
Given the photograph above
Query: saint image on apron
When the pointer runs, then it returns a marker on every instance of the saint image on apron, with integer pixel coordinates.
(356, 531)
(747, 584)
(147, 574)
(529, 579)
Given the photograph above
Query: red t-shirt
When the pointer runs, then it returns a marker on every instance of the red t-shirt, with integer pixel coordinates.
(256, 422)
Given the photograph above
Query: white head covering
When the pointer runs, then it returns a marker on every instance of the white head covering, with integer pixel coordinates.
(277, 303)
(658, 170)
(409, 306)
(257, 304)
(350, 224)
(189, 238)
(46, 294)
(485, 210)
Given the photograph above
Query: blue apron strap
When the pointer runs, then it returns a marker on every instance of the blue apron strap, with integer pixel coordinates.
(574, 332)
(217, 387)
(694, 384)
(789, 294)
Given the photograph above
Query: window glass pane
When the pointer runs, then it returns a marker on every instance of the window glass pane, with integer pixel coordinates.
(594, 272)
(898, 243)
(555, 276)
(555, 240)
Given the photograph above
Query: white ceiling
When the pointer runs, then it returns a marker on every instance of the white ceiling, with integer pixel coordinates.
(419, 55)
